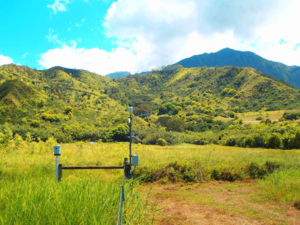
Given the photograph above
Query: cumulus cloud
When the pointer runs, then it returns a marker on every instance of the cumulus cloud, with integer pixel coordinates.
(95, 60)
(152, 33)
(59, 6)
(53, 38)
(5, 60)
(167, 31)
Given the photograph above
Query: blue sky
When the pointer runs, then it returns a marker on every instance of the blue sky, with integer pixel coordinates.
(25, 26)
(105, 36)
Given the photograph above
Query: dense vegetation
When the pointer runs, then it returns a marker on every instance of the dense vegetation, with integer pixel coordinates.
(195, 105)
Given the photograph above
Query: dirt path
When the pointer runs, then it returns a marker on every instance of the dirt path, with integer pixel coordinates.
(218, 203)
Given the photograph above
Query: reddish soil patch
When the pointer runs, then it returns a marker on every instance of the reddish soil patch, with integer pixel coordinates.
(217, 203)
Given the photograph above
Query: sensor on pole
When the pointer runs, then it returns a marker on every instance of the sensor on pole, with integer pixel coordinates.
(57, 153)
(131, 110)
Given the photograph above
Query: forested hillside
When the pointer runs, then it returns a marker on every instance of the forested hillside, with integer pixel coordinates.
(194, 105)
(223, 88)
(48, 103)
(230, 57)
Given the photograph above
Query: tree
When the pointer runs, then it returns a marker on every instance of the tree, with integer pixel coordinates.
(68, 110)
(120, 133)
(142, 109)
(175, 124)
(274, 141)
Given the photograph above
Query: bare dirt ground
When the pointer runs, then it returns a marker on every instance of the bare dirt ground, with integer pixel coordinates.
(218, 203)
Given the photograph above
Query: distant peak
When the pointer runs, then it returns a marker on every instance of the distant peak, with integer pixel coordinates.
(228, 49)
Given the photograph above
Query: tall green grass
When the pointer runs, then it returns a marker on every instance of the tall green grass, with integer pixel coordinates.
(282, 186)
(85, 201)
(29, 193)
(88, 201)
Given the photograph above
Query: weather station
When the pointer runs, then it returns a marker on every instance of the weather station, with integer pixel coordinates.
(133, 159)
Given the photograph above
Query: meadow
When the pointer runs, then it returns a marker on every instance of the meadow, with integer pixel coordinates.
(29, 193)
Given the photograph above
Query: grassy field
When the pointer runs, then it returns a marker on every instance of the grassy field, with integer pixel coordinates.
(251, 117)
(30, 195)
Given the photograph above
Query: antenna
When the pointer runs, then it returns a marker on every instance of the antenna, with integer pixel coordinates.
(130, 135)
(133, 159)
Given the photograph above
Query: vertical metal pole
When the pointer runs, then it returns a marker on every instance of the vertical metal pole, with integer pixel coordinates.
(123, 208)
(130, 138)
(56, 169)
(59, 172)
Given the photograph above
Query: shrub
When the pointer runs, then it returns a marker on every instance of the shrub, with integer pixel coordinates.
(256, 171)
(48, 116)
(120, 133)
(162, 142)
(294, 142)
(273, 141)
(268, 121)
(68, 110)
(62, 137)
(259, 118)
(35, 123)
(6, 137)
(231, 114)
(166, 109)
(18, 140)
(230, 141)
(270, 167)
(175, 124)
(228, 91)
(24, 120)
(227, 174)
(297, 204)
(163, 120)
(291, 115)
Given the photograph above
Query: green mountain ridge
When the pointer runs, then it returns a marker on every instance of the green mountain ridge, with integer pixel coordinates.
(252, 89)
(230, 57)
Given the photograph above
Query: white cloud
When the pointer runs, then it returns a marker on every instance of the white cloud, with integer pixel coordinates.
(170, 30)
(151, 33)
(59, 6)
(53, 38)
(5, 60)
(95, 60)
(73, 43)
(25, 54)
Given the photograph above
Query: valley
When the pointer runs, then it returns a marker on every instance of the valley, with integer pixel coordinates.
(145, 112)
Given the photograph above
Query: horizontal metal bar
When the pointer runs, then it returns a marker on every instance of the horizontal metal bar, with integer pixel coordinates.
(91, 167)
(144, 115)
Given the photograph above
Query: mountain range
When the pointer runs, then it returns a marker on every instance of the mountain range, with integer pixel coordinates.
(79, 105)
(230, 57)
